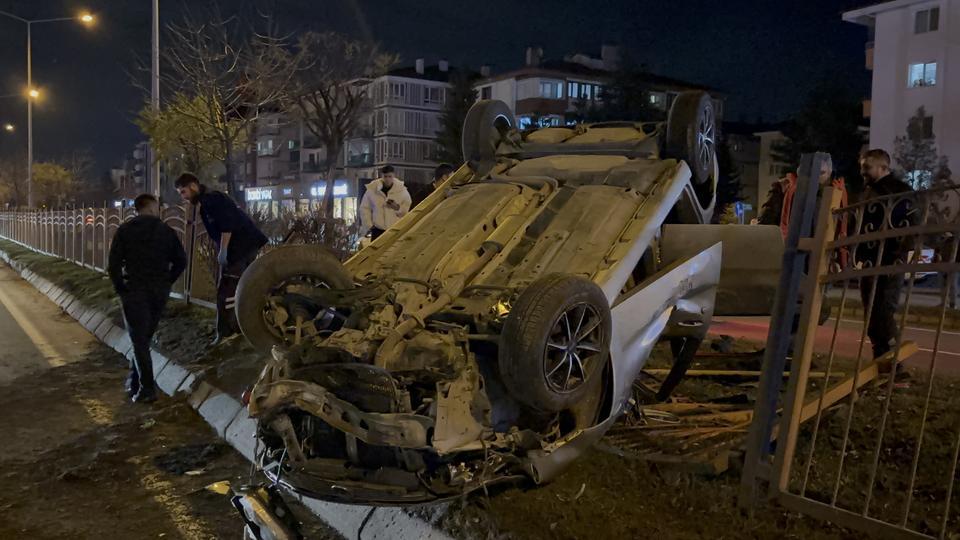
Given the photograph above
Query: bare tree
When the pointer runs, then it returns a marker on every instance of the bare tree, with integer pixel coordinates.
(328, 91)
(228, 73)
(13, 184)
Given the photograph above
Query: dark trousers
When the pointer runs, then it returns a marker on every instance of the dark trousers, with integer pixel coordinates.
(142, 309)
(227, 293)
(882, 329)
(375, 233)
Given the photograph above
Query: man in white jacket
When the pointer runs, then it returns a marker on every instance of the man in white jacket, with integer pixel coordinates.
(385, 202)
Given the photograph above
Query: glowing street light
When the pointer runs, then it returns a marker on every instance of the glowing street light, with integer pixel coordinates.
(8, 128)
(85, 18)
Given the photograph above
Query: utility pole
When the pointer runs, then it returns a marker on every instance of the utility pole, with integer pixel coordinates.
(155, 95)
(29, 120)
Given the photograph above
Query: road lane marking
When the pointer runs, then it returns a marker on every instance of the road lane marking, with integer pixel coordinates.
(46, 349)
(191, 527)
(939, 352)
(98, 411)
(917, 328)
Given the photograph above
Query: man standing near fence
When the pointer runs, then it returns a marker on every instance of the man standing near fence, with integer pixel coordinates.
(146, 257)
(880, 182)
(385, 202)
(237, 240)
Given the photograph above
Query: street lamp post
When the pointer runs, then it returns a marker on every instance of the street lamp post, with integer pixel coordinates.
(155, 92)
(33, 93)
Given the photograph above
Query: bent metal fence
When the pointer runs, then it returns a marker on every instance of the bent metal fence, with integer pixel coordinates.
(83, 236)
(868, 447)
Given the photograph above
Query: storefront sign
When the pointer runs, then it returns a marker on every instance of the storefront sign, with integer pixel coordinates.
(340, 189)
(259, 194)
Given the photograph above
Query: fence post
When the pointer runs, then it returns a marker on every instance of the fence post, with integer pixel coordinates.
(105, 248)
(756, 465)
(192, 222)
(83, 236)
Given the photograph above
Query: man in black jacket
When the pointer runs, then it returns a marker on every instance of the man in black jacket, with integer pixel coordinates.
(880, 182)
(146, 257)
(237, 240)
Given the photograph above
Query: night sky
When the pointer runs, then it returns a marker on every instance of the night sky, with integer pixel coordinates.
(765, 55)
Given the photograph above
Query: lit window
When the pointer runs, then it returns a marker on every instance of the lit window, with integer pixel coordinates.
(927, 20)
(573, 89)
(657, 99)
(551, 90)
(433, 95)
(586, 91)
(919, 178)
(524, 122)
(922, 75)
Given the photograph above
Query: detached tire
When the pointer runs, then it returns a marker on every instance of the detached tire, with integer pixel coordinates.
(555, 343)
(486, 124)
(692, 134)
(272, 270)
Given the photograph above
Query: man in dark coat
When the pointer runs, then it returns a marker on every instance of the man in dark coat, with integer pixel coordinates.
(146, 257)
(880, 182)
(237, 240)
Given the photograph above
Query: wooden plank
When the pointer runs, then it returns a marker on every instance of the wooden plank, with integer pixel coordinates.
(843, 388)
(731, 373)
(680, 408)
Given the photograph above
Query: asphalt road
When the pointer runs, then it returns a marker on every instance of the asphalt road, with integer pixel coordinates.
(35, 334)
(80, 461)
(848, 340)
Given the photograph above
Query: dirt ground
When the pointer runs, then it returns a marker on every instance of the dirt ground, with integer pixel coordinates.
(80, 461)
(608, 493)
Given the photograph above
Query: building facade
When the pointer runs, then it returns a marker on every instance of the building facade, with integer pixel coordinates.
(406, 105)
(914, 55)
(551, 92)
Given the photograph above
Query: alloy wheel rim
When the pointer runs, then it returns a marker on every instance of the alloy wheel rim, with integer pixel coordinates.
(574, 346)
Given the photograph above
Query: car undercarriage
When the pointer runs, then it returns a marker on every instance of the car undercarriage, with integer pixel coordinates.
(495, 332)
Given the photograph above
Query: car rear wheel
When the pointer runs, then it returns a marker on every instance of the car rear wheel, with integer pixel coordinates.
(555, 343)
(485, 126)
(692, 134)
(273, 302)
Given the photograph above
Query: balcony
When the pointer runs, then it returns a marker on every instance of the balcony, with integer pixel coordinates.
(312, 167)
(360, 160)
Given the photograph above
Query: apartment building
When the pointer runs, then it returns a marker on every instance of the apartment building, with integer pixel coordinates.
(406, 106)
(913, 51)
(545, 92)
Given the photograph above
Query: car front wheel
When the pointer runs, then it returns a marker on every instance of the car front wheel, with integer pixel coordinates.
(555, 343)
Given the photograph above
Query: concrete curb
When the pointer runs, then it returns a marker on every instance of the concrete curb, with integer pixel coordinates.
(229, 419)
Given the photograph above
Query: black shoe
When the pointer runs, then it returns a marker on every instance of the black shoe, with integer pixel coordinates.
(132, 385)
(144, 396)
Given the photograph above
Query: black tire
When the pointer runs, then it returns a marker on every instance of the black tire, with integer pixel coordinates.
(271, 270)
(529, 347)
(692, 135)
(486, 124)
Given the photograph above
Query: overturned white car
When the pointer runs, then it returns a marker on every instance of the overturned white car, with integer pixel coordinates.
(494, 333)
